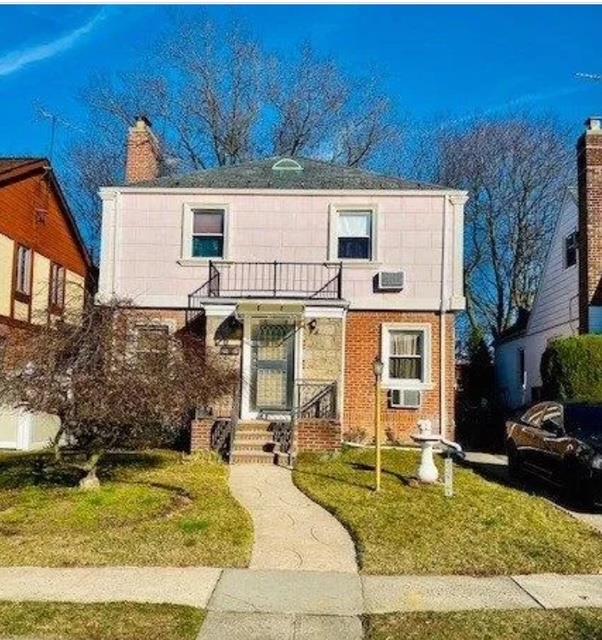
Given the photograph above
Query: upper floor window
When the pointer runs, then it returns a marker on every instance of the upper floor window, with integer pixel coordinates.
(406, 355)
(570, 250)
(204, 233)
(57, 287)
(208, 233)
(354, 235)
(23, 271)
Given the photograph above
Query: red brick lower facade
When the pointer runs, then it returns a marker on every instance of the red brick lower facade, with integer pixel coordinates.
(363, 345)
(318, 435)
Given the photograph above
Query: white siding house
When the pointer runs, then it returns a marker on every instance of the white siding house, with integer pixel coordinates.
(555, 314)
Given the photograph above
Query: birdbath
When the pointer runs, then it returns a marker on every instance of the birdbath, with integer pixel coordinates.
(427, 472)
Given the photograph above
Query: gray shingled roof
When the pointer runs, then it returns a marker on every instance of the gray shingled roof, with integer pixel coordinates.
(258, 174)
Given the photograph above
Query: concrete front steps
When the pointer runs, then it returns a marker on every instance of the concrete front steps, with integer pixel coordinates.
(253, 443)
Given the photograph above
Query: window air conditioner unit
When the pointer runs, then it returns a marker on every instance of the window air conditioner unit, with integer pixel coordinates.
(390, 280)
(405, 398)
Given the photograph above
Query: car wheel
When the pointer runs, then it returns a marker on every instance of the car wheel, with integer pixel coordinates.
(515, 469)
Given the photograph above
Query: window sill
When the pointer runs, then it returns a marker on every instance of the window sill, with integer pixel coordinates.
(19, 296)
(196, 262)
(358, 264)
(412, 386)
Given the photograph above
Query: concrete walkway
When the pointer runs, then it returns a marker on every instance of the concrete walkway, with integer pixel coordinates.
(291, 531)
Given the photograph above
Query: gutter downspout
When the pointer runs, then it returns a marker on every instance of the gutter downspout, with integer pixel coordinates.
(442, 322)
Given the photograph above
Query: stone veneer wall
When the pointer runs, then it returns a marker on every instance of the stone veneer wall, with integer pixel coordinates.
(323, 349)
(215, 331)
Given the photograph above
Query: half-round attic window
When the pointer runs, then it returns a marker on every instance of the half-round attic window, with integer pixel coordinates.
(287, 164)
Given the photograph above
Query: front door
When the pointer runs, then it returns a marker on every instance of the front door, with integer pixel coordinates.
(272, 366)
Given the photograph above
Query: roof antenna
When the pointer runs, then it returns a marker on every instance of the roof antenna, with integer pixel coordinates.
(53, 120)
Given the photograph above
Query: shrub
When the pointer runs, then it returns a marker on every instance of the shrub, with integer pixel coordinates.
(571, 369)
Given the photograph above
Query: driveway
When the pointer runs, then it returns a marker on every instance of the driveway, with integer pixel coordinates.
(495, 466)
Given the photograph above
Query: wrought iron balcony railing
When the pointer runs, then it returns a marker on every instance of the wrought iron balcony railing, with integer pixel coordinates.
(301, 280)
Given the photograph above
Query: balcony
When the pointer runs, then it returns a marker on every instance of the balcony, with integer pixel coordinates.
(294, 280)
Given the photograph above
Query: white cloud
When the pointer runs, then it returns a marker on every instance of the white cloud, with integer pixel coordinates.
(516, 103)
(15, 60)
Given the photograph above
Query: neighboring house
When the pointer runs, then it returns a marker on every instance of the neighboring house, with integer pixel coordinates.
(569, 297)
(300, 273)
(44, 268)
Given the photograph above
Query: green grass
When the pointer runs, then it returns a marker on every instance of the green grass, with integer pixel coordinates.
(153, 508)
(485, 529)
(114, 621)
(561, 624)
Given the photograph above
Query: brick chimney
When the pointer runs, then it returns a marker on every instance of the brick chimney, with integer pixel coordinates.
(143, 152)
(589, 175)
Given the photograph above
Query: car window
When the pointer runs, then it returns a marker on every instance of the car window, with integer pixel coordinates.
(534, 415)
(552, 418)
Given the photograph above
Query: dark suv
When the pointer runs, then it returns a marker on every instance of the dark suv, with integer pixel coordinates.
(562, 444)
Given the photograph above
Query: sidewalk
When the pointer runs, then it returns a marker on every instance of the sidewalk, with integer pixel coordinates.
(298, 592)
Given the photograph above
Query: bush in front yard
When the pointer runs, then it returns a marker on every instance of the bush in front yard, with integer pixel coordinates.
(571, 369)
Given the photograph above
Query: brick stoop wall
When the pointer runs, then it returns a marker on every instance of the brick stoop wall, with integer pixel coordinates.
(200, 434)
(363, 345)
(317, 434)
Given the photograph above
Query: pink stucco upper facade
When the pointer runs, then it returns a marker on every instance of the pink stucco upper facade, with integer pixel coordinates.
(144, 254)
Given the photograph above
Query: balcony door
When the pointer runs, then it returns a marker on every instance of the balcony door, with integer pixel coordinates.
(272, 367)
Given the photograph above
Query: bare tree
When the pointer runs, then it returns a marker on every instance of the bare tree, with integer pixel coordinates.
(308, 95)
(515, 170)
(114, 379)
(216, 98)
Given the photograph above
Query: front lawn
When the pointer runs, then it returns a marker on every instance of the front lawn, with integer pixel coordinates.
(114, 621)
(153, 508)
(485, 529)
(529, 624)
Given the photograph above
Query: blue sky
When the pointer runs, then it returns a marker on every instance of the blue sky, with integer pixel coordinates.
(442, 61)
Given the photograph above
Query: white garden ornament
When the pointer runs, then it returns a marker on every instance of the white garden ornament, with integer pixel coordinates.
(427, 472)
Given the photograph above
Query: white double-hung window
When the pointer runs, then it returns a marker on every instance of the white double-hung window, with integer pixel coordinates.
(205, 233)
(352, 233)
(406, 353)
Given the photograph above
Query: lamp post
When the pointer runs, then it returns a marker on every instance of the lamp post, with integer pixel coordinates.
(378, 372)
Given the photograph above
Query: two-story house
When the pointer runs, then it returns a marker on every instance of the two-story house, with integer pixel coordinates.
(302, 273)
(569, 295)
(44, 266)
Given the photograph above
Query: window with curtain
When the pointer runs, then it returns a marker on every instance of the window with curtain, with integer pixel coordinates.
(354, 234)
(406, 355)
(23, 275)
(208, 233)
